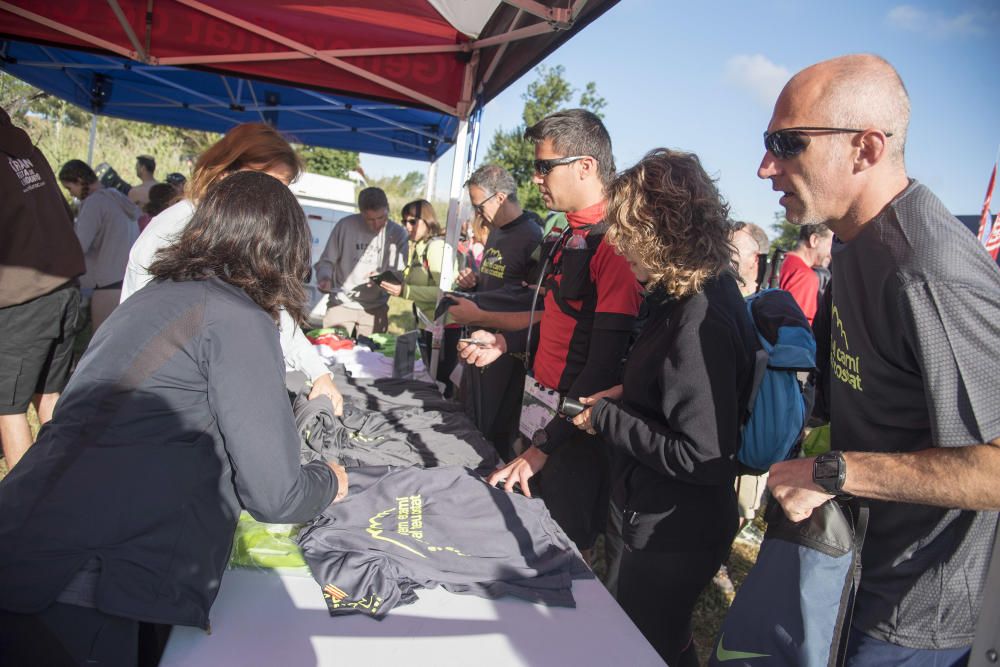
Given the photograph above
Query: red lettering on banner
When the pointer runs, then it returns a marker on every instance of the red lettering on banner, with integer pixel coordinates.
(217, 36)
(429, 69)
(396, 67)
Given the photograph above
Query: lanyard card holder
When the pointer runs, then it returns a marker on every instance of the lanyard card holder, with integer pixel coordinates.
(538, 406)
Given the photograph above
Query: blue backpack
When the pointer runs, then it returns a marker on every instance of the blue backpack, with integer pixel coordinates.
(779, 403)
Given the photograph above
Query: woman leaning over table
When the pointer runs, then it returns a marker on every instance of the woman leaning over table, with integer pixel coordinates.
(177, 417)
(673, 424)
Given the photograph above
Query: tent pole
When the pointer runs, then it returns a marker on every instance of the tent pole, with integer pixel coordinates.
(432, 173)
(93, 137)
(451, 235)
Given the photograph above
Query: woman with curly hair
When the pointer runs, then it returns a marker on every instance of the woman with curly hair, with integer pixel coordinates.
(673, 424)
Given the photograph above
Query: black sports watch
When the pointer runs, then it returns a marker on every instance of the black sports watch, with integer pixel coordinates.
(830, 471)
(540, 439)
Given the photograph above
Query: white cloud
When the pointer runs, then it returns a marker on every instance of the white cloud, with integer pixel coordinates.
(757, 75)
(941, 25)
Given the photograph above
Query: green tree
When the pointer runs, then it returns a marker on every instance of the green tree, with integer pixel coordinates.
(328, 161)
(787, 233)
(400, 190)
(548, 93)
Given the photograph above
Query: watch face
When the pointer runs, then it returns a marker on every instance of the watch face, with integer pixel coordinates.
(826, 468)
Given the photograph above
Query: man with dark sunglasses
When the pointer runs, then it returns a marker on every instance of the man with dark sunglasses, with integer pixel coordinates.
(590, 307)
(913, 400)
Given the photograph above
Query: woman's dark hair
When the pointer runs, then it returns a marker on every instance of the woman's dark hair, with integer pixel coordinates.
(161, 196)
(77, 171)
(423, 210)
(250, 232)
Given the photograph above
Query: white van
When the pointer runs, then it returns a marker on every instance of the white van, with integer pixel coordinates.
(326, 201)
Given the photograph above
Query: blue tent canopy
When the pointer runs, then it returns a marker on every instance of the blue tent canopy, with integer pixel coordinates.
(114, 86)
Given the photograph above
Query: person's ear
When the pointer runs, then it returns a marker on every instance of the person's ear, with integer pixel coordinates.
(872, 147)
(501, 198)
(588, 167)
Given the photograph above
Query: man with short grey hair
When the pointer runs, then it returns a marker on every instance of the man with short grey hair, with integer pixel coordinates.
(493, 395)
(914, 406)
(361, 246)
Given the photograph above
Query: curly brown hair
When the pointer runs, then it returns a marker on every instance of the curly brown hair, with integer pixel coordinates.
(250, 232)
(666, 214)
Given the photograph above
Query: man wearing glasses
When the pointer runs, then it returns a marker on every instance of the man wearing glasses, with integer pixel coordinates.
(510, 252)
(590, 308)
(914, 405)
(493, 395)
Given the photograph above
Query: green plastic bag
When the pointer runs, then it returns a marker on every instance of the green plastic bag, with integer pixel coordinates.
(817, 442)
(265, 545)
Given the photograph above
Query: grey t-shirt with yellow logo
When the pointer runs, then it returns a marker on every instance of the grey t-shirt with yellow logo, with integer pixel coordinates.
(916, 307)
(401, 529)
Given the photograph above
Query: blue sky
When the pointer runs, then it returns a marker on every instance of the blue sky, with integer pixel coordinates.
(702, 76)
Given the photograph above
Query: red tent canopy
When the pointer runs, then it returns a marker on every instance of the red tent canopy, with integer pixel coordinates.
(435, 54)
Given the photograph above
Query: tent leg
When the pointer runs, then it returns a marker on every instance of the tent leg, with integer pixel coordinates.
(451, 232)
(93, 137)
(432, 172)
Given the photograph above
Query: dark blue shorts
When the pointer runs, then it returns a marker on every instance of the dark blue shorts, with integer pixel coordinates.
(865, 651)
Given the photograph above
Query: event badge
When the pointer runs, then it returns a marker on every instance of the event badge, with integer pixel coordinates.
(538, 407)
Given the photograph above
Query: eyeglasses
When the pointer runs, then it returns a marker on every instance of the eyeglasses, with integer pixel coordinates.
(479, 207)
(543, 167)
(791, 141)
(412, 221)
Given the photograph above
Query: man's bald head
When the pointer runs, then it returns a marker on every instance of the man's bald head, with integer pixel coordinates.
(857, 91)
(745, 258)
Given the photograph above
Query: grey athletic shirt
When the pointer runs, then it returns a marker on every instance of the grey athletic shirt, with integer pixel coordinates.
(401, 529)
(914, 328)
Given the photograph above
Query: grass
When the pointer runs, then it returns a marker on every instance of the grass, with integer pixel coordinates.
(715, 599)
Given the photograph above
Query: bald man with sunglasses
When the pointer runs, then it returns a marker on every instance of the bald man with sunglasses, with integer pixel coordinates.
(914, 404)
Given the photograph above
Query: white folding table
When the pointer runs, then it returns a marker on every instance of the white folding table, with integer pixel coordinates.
(280, 620)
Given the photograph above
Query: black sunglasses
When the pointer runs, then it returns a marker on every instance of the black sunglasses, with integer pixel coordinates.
(791, 141)
(479, 207)
(411, 221)
(543, 167)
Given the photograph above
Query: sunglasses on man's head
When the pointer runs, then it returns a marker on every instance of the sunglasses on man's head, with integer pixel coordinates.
(543, 167)
(791, 141)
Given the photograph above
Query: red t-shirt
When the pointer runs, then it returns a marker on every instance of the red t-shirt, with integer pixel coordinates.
(563, 343)
(801, 281)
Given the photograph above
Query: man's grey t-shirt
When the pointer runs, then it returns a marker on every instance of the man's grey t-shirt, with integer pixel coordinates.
(916, 313)
(352, 253)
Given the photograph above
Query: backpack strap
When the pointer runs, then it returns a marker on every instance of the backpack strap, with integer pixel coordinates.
(858, 509)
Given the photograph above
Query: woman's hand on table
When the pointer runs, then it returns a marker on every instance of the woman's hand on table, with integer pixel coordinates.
(520, 470)
(341, 474)
(583, 420)
(324, 386)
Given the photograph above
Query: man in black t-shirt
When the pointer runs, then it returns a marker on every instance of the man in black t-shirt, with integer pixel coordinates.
(493, 395)
(914, 406)
(510, 252)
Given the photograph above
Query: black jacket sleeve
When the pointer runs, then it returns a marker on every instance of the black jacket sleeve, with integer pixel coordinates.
(701, 372)
(248, 398)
